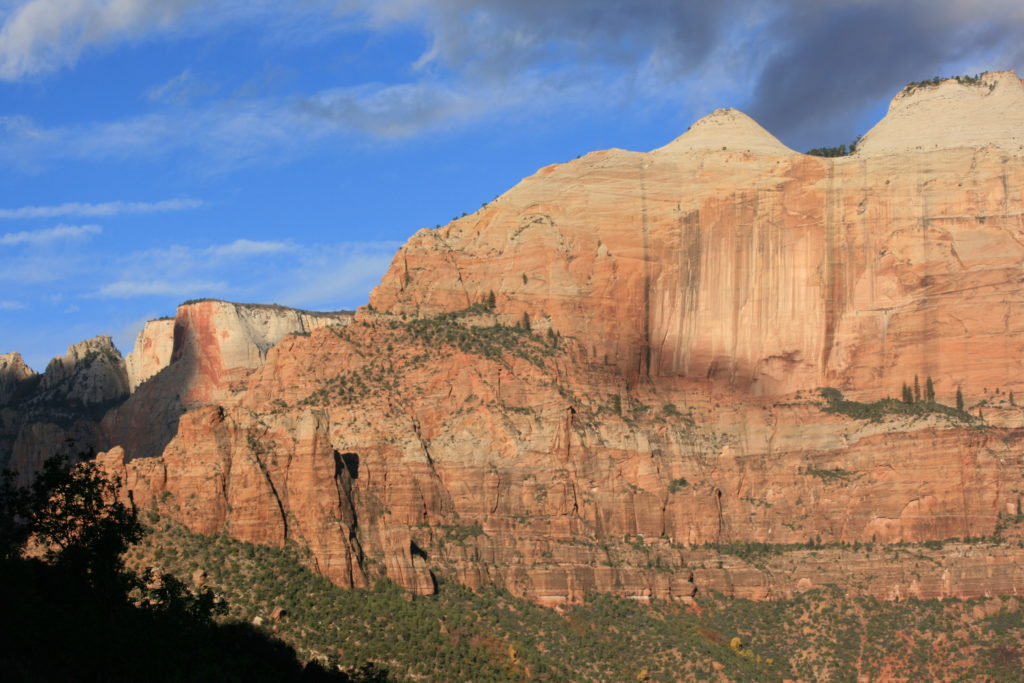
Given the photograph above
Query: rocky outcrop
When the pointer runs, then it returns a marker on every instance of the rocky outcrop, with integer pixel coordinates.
(90, 373)
(57, 413)
(152, 351)
(635, 409)
(214, 345)
(956, 112)
(14, 377)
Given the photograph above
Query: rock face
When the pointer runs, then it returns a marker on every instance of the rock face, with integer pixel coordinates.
(759, 269)
(213, 345)
(91, 372)
(56, 413)
(152, 352)
(635, 409)
(59, 412)
(14, 375)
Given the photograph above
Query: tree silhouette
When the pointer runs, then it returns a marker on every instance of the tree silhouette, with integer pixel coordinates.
(81, 615)
(81, 523)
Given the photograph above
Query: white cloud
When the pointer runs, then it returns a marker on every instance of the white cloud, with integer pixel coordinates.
(104, 209)
(42, 35)
(60, 232)
(244, 247)
(11, 306)
(231, 133)
(125, 289)
(37, 36)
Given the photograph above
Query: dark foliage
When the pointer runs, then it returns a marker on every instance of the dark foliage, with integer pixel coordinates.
(876, 410)
(74, 613)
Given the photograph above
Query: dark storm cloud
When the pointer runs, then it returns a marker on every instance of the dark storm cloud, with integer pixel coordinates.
(497, 37)
(815, 66)
(835, 61)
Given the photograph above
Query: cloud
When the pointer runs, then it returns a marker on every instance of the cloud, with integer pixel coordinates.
(60, 232)
(219, 269)
(244, 247)
(180, 89)
(395, 111)
(333, 276)
(104, 209)
(11, 306)
(802, 67)
(327, 276)
(835, 60)
(124, 289)
(806, 69)
(42, 35)
(38, 36)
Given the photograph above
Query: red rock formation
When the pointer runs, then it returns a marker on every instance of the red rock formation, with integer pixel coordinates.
(764, 270)
(215, 343)
(685, 304)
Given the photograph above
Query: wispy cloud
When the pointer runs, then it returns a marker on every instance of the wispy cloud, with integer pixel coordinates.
(304, 275)
(60, 232)
(334, 276)
(11, 305)
(181, 89)
(126, 289)
(103, 209)
(244, 247)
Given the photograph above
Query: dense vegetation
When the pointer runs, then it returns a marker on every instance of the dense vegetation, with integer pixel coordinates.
(83, 614)
(492, 636)
(876, 410)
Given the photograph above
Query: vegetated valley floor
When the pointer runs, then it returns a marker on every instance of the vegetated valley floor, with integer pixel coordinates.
(490, 635)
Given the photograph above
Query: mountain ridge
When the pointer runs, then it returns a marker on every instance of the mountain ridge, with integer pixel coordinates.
(608, 380)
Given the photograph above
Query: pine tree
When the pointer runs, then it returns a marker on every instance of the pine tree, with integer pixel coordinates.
(492, 300)
(929, 390)
(959, 400)
(525, 324)
(908, 397)
(917, 390)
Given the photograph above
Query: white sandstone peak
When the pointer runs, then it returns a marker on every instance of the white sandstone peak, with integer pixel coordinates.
(953, 112)
(729, 130)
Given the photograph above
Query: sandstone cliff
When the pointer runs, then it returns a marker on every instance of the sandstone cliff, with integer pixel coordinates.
(760, 269)
(152, 351)
(638, 409)
(212, 345)
(59, 411)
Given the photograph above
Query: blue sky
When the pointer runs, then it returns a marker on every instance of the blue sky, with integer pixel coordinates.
(153, 151)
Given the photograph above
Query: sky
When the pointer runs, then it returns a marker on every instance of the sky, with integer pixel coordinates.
(154, 151)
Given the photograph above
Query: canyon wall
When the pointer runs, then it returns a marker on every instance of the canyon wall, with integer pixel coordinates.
(724, 256)
(60, 411)
(607, 379)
